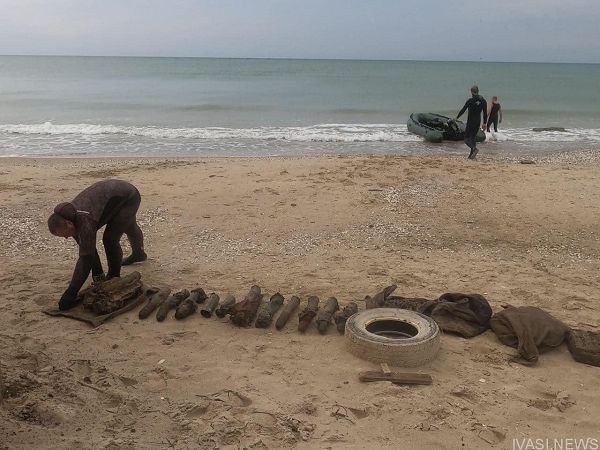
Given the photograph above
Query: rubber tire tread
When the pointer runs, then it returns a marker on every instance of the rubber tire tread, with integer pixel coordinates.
(410, 352)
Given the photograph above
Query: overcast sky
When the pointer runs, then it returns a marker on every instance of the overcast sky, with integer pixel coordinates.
(498, 30)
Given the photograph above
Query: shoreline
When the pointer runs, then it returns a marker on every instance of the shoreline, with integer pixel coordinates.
(574, 157)
(455, 151)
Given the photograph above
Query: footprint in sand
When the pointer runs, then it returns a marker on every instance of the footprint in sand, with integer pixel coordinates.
(43, 300)
(128, 381)
(197, 411)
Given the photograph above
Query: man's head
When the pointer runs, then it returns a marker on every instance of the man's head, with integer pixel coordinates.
(61, 222)
(474, 90)
(61, 227)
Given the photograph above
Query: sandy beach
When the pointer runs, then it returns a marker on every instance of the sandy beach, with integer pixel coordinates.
(523, 234)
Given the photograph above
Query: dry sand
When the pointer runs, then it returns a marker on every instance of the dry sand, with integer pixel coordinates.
(343, 226)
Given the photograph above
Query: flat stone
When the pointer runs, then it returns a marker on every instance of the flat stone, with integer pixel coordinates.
(585, 346)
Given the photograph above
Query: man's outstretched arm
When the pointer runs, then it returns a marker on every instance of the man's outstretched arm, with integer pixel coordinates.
(80, 274)
(88, 258)
(464, 108)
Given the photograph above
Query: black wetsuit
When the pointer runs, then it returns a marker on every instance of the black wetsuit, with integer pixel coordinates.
(493, 117)
(476, 105)
(113, 203)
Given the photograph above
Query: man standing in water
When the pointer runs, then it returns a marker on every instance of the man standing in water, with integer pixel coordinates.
(113, 203)
(494, 115)
(476, 106)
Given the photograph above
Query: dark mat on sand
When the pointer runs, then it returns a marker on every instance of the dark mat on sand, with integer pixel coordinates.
(80, 313)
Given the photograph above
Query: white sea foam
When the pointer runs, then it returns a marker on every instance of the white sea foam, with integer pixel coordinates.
(316, 133)
(494, 136)
(570, 135)
(333, 138)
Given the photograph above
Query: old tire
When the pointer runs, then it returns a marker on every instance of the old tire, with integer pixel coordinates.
(394, 336)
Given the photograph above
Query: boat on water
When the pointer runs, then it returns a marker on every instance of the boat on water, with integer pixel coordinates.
(436, 128)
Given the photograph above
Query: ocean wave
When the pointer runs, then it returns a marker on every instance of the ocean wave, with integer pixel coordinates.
(569, 135)
(316, 133)
(333, 132)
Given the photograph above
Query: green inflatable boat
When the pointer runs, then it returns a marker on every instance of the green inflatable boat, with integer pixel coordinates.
(436, 128)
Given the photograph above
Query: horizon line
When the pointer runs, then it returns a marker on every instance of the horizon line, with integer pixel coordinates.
(294, 58)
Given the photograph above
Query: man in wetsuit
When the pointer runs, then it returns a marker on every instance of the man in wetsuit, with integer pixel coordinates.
(113, 203)
(476, 106)
(494, 115)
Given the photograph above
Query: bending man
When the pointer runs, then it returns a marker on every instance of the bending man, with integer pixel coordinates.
(113, 203)
(476, 106)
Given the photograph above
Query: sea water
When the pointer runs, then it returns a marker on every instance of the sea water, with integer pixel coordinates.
(109, 106)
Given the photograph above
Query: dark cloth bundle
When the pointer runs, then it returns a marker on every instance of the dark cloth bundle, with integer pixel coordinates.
(465, 314)
(528, 329)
